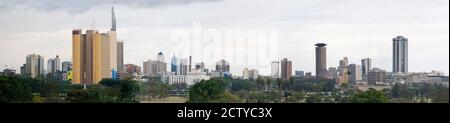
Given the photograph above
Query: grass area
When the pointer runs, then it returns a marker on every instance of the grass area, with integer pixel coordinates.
(171, 99)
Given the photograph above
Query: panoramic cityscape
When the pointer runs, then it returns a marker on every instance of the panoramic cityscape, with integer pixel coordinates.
(221, 65)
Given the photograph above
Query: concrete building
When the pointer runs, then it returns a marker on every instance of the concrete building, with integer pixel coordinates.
(343, 71)
(286, 69)
(355, 73)
(34, 66)
(321, 60)
(201, 67)
(275, 69)
(222, 66)
(91, 57)
(376, 76)
(95, 54)
(245, 74)
(66, 66)
(400, 55)
(54, 65)
(191, 78)
(120, 56)
(253, 74)
(8, 72)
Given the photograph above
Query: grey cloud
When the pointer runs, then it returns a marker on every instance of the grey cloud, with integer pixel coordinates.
(80, 6)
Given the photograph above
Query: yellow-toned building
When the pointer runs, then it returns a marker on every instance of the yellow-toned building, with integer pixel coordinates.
(91, 56)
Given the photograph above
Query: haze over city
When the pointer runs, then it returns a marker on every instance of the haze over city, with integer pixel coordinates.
(355, 29)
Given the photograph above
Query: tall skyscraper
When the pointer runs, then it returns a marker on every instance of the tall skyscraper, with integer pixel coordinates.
(343, 70)
(54, 65)
(120, 59)
(366, 65)
(355, 73)
(95, 54)
(34, 65)
(222, 66)
(400, 55)
(173, 64)
(190, 63)
(275, 69)
(321, 60)
(286, 69)
(50, 66)
(183, 67)
(91, 56)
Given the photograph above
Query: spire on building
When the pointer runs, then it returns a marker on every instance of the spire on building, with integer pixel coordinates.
(113, 18)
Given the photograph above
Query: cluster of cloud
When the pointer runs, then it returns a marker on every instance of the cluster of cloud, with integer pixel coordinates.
(80, 6)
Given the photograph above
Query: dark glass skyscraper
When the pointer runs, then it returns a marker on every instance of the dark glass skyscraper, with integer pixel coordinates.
(321, 60)
(400, 55)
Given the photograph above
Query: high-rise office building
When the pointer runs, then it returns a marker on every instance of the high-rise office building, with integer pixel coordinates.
(91, 57)
(286, 69)
(222, 66)
(155, 67)
(355, 73)
(148, 67)
(343, 70)
(173, 64)
(54, 65)
(376, 75)
(34, 66)
(50, 66)
(275, 69)
(321, 60)
(245, 74)
(95, 54)
(366, 65)
(200, 66)
(253, 74)
(120, 59)
(400, 55)
(183, 66)
(190, 63)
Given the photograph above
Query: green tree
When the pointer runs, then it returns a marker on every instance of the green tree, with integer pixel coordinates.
(296, 97)
(237, 85)
(129, 89)
(260, 83)
(14, 90)
(279, 84)
(315, 98)
(227, 97)
(370, 96)
(206, 91)
(82, 96)
(269, 84)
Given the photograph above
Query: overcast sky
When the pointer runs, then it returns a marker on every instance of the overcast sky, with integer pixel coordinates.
(352, 28)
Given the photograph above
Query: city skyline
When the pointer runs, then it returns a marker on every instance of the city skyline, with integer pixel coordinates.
(295, 44)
